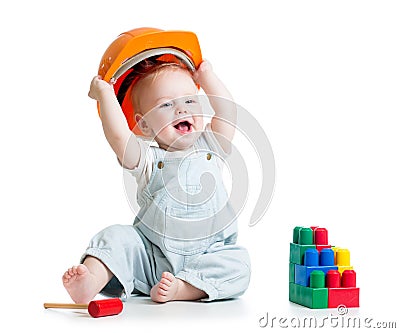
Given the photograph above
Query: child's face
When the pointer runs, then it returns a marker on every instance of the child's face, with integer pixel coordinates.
(170, 109)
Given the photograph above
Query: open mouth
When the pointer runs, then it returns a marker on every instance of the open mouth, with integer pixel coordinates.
(184, 127)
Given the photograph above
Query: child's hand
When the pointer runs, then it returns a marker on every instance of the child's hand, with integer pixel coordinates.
(225, 110)
(99, 87)
(203, 72)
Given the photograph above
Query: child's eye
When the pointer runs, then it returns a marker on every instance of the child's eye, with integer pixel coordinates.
(166, 105)
(190, 101)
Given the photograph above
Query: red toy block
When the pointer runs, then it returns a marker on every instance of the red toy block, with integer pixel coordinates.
(320, 247)
(349, 297)
(348, 279)
(320, 236)
(342, 291)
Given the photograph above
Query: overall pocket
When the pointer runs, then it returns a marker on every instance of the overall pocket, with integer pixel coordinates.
(188, 229)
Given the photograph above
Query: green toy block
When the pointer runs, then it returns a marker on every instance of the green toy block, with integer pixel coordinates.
(293, 292)
(297, 253)
(291, 272)
(313, 298)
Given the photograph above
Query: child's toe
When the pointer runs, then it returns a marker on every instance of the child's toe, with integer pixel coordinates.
(168, 276)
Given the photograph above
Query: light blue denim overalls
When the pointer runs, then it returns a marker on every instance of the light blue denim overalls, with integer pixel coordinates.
(185, 226)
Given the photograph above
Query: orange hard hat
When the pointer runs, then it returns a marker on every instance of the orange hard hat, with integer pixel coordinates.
(136, 45)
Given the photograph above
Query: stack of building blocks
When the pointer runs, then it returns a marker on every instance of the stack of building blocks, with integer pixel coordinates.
(320, 275)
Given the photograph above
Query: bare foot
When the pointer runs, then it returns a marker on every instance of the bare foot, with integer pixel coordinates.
(80, 283)
(172, 289)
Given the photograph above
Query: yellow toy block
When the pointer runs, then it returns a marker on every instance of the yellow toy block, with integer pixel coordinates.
(341, 256)
(342, 259)
(341, 269)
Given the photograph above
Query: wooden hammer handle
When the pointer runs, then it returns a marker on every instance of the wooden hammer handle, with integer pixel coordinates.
(65, 306)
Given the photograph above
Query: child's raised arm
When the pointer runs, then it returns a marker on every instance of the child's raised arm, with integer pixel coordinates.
(115, 126)
(224, 121)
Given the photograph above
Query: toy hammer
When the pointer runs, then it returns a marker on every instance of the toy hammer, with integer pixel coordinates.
(98, 308)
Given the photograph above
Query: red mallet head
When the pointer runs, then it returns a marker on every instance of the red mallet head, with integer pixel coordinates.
(105, 307)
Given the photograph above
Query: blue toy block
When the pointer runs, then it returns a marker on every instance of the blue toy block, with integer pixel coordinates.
(302, 273)
(314, 260)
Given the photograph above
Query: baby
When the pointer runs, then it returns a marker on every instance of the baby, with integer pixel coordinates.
(182, 245)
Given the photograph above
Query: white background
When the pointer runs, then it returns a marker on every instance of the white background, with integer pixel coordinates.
(321, 77)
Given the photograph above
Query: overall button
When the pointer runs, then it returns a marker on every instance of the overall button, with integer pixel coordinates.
(160, 165)
(209, 156)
